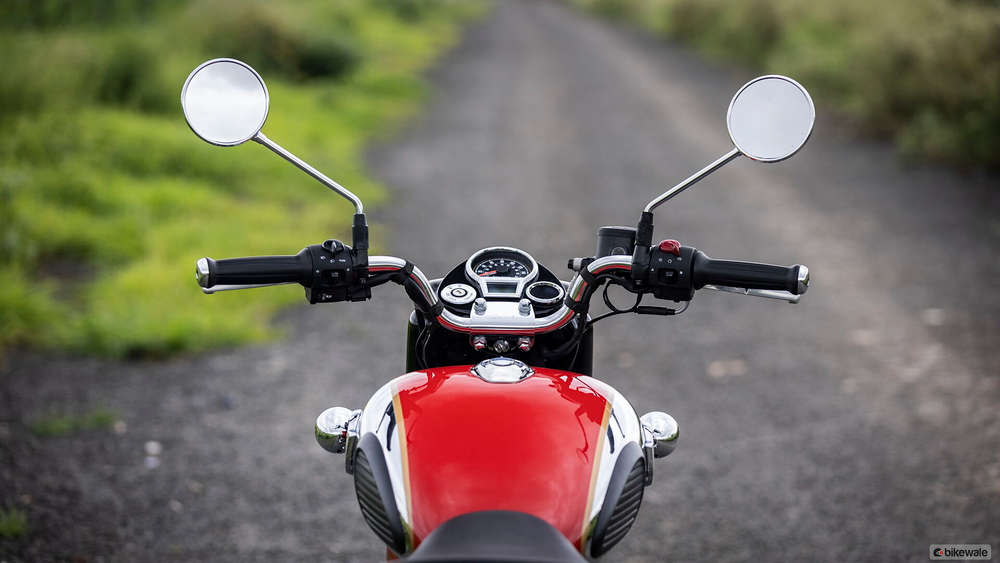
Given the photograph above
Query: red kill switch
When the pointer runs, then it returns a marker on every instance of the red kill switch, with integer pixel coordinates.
(670, 246)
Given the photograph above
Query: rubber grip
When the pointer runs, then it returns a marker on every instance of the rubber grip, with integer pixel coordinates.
(260, 270)
(749, 275)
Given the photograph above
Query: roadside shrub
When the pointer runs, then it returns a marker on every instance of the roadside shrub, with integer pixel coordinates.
(924, 72)
(13, 523)
(128, 74)
(55, 13)
(259, 35)
(64, 71)
(26, 309)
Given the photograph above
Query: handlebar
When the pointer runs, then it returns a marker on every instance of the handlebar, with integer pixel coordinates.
(748, 275)
(332, 272)
(255, 270)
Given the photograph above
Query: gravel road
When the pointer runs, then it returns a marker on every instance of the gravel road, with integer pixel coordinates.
(860, 425)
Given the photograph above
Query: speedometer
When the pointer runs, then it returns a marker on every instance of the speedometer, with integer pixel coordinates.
(501, 271)
(502, 268)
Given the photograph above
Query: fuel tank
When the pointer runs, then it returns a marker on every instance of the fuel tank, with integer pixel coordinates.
(440, 443)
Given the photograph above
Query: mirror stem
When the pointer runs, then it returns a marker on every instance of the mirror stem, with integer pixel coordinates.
(692, 180)
(359, 208)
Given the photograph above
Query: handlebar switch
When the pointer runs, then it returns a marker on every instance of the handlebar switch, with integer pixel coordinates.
(670, 246)
(669, 272)
(335, 274)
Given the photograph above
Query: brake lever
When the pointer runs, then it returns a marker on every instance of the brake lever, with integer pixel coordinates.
(213, 289)
(765, 293)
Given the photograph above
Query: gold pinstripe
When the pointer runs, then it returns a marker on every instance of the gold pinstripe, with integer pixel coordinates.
(585, 529)
(404, 460)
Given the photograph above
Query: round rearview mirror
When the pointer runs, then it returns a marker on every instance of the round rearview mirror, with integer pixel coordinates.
(225, 102)
(770, 118)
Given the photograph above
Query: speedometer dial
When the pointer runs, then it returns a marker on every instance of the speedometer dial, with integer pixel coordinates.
(501, 272)
(502, 268)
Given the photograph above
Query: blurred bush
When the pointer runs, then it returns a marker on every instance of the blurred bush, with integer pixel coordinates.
(926, 72)
(106, 197)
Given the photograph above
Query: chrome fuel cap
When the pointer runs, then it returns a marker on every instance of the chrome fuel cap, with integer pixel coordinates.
(502, 370)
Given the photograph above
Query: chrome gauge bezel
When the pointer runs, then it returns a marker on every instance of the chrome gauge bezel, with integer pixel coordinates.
(550, 301)
(518, 254)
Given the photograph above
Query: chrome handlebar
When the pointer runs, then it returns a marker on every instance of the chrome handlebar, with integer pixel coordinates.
(502, 321)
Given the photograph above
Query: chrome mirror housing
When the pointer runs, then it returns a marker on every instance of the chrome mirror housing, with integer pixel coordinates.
(335, 428)
(225, 102)
(661, 431)
(770, 118)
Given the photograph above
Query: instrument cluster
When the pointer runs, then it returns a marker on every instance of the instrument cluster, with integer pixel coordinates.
(501, 273)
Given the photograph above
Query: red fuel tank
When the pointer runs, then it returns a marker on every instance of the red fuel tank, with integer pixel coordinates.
(532, 446)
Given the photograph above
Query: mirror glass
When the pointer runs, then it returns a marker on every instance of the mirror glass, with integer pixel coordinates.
(225, 102)
(770, 118)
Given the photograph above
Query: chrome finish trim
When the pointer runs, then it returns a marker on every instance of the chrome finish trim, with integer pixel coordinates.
(550, 301)
(623, 427)
(479, 306)
(201, 272)
(331, 428)
(217, 288)
(803, 279)
(812, 109)
(382, 263)
(267, 100)
(765, 293)
(502, 316)
(692, 180)
(470, 271)
(379, 418)
(662, 433)
(502, 370)
(524, 307)
(353, 435)
(316, 174)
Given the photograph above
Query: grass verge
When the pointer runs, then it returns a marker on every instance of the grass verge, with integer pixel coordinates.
(13, 524)
(924, 72)
(107, 199)
(58, 425)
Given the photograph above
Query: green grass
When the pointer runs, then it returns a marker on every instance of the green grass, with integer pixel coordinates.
(107, 199)
(13, 524)
(58, 425)
(923, 72)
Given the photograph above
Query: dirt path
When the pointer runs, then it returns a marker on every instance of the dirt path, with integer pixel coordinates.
(859, 425)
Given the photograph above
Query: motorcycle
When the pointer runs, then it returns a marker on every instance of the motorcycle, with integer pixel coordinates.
(499, 444)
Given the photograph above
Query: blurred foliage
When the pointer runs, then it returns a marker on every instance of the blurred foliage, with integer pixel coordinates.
(58, 425)
(13, 523)
(107, 198)
(926, 72)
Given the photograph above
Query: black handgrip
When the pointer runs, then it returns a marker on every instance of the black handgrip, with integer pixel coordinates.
(750, 275)
(256, 270)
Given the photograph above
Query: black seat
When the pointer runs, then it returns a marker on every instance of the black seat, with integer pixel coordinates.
(496, 536)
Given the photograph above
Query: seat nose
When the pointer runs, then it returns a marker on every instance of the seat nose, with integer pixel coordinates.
(496, 536)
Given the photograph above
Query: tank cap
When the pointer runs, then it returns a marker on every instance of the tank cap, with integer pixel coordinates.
(502, 370)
